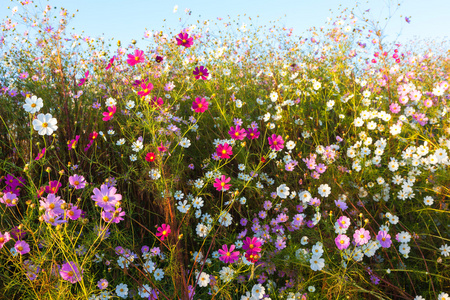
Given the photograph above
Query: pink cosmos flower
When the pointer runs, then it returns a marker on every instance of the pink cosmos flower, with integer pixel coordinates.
(138, 57)
(384, 238)
(70, 272)
(52, 205)
(73, 143)
(163, 231)
(342, 241)
(83, 80)
(237, 133)
(394, 108)
(344, 222)
(158, 102)
(53, 187)
(428, 103)
(108, 115)
(361, 236)
(4, 238)
(111, 61)
(73, 213)
(221, 183)
(227, 255)
(113, 216)
(145, 89)
(253, 133)
(40, 154)
(106, 197)
(77, 181)
(200, 105)
(252, 245)
(276, 142)
(53, 219)
(9, 198)
(201, 72)
(183, 39)
(224, 151)
(22, 247)
(162, 148)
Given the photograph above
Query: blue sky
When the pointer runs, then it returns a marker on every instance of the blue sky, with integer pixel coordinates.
(127, 19)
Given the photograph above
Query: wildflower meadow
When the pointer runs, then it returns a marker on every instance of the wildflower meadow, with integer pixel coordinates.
(222, 161)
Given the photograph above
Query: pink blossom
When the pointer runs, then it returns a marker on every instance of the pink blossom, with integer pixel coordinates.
(221, 183)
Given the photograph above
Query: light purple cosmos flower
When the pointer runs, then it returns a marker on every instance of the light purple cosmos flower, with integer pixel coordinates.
(77, 181)
(70, 272)
(22, 247)
(106, 197)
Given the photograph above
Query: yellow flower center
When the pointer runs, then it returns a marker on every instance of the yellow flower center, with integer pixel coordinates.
(164, 232)
(342, 241)
(45, 124)
(136, 58)
(228, 253)
(2, 240)
(20, 248)
(52, 205)
(361, 236)
(70, 273)
(105, 198)
(33, 105)
(251, 246)
(77, 182)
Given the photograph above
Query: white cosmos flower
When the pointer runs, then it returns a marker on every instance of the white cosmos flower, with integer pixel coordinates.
(283, 191)
(33, 104)
(45, 124)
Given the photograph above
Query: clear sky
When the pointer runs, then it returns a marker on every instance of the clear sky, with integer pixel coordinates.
(127, 19)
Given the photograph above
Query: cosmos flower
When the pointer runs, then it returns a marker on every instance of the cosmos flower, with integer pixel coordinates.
(108, 115)
(45, 124)
(184, 40)
(70, 272)
(163, 231)
(33, 104)
(106, 197)
(227, 255)
(224, 151)
(200, 105)
(201, 72)
(276, 142)
(221, 183)
(136, 58)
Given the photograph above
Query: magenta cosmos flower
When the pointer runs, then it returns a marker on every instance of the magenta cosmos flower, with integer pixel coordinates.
(163, 231)
(200, 105)
(108, 115)
(77, 181)
(113, 216)
(184, 40)
(237, 133)
(70, 272)
(40, 154)
(201, 72)
(145, 89)
(224, 151)
(227, 255)
(253, 133)
(361, 236)
(252, 245)
(276, 142)
(137, 57)
(342, 241)
(384, 238)
(4, 238)
(22, 247)
(221, 183)
(106, 197)
(73, 212)
(53, 187)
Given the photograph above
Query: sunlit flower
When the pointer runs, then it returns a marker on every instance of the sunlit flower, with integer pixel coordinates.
(183, 39)
(201, 73)
(163, 231)
(33, 104)
(45, 124)
(70, 272)
(137, 57)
